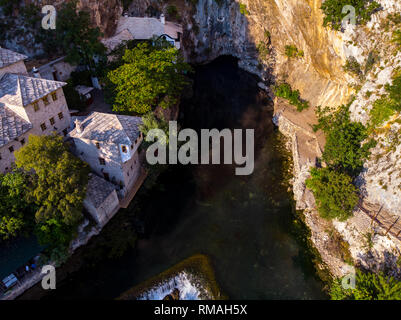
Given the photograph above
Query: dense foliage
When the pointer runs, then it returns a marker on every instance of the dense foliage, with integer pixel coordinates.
(75, 36)
(16, 213)
(336, 196)
(368, 286)
(344, 149)
(147, 78)
(344, 154)
(293, 96)
(333, 15)
(57, 187)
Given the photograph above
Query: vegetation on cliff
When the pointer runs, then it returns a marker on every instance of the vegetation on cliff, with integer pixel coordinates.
(345, 151)
(335, 194)
(388, 104)
(368, 286)
(333, 11)
(284, 90)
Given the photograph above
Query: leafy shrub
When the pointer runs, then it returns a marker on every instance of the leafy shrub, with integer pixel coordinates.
(333, 15)
(292, 51)
(343, 150)
(353, 66)
(368, 286)
(334, 192)
(293, 96)
(243, 9)
(385, 107)
(381, 112)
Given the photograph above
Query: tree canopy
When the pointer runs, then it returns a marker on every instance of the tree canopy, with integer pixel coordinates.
(336, 196)
(345, 149)
(59, 181)
(149, 76)
(16, 213)
(74, 35)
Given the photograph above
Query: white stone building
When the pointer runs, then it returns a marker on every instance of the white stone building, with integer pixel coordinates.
(109, 144)
(28, 105)
(130, 28)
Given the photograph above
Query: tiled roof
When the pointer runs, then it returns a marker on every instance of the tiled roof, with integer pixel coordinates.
(98, 190)
(20, 90)
(116, 40)
(140, 28)
(11, 125)
(110, 128)
(8, 57)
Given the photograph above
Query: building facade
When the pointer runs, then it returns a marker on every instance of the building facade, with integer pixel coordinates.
(109, 143)
(28, 105)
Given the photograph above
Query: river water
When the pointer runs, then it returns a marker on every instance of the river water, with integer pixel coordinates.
(245, 224)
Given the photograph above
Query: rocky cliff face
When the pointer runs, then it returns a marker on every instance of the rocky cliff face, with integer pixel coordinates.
(223, 29)
(257, 35)
(17, 33)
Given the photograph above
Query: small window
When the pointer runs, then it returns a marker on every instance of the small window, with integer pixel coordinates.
(65, 132)
(43, 126)
(46, 100)
(22, 142)
(102, 162)
(11, 149)
(54, 96)
(124, 148)
(60, 115)
(98, 145)
(52, 122)
(106, 176)
(0, 157)
(136, 140)
(36, 106)
(132, 146)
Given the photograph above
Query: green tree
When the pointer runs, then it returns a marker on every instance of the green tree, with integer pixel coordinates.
(335, 195)
(368, 286)
(59, 180)
(284, 90)
(148, 77)
(10, 227)
(16, 212)
(75, 36)
(344, 149)
(150, 121)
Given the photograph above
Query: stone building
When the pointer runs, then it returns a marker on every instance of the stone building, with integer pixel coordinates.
(101, 199)
(109, 144)
(138, 28)
(28, 105)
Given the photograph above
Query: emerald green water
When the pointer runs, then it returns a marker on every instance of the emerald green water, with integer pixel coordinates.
(245, 224)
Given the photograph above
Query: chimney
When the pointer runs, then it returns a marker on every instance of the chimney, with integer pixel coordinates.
(78, 126)
(35, 72)
(162, 19)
